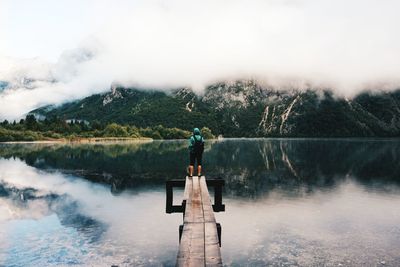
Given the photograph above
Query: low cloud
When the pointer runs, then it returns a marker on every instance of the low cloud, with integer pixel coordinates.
(348, 46)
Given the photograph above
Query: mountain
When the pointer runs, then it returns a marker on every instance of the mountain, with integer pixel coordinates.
(242, 108)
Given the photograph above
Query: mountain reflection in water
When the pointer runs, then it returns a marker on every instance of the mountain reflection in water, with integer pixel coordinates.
(295, 202)
(251, 167)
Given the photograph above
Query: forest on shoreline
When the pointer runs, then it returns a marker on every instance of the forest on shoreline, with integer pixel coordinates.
(55, 128)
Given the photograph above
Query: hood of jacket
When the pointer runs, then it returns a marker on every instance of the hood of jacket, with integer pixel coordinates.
(196, 131)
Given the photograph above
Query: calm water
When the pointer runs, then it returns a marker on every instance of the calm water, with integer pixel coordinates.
(288, 202)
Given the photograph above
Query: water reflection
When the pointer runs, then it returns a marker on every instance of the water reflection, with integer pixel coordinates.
(251, 167)
(345, 226)
(289, 202)
(53, 219)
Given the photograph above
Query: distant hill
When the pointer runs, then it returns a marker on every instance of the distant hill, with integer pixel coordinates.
(243, 109)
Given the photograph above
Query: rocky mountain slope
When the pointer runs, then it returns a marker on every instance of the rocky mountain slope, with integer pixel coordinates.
(243, 108)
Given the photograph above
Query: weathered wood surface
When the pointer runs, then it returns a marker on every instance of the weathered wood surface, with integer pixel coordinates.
(199, 244)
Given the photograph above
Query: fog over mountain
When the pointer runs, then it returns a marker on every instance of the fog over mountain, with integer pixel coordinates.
(55, 53)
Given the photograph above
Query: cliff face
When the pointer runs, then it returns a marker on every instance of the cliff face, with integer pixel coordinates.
(309, 114)
(243, 108)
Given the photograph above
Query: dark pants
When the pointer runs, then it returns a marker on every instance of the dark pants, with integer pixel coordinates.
(195, 157)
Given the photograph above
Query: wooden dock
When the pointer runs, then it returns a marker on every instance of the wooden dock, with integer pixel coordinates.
(200, 236)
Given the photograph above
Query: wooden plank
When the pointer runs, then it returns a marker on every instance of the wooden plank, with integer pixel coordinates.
(191, 248)
(211, 242)
(194, 208)
(206, 201)
(212, 250)
(188, 189)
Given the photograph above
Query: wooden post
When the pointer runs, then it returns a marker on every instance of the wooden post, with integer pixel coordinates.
(169, 186)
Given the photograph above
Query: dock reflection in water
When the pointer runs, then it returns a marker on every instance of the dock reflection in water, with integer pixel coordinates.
(289, 202)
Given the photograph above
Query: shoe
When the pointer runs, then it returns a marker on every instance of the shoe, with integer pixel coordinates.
(200, 175)
(190, 176)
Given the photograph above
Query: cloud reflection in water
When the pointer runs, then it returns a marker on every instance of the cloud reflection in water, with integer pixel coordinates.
(92, 226)
(300, 202)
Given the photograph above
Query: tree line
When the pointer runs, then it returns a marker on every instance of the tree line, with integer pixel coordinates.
(32, 129)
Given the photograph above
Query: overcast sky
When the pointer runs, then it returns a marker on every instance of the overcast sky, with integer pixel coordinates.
(76, 48)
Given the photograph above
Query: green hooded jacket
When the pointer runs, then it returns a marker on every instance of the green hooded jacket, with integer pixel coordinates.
(196, 136)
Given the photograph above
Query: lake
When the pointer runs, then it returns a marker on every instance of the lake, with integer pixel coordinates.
(289, 202)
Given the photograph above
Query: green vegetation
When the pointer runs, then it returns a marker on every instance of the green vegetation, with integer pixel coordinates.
(241, 109)
(135, 107)
(31, 129)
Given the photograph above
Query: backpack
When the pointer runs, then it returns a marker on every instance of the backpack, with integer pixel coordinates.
(198, 146)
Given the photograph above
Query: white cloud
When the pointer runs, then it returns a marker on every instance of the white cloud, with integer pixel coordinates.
(346, 45)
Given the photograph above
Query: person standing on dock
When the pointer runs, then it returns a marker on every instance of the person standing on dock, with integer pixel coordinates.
(196, 148)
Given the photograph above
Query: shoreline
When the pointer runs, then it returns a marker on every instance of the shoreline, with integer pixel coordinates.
(94, 140)
(83, 140)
